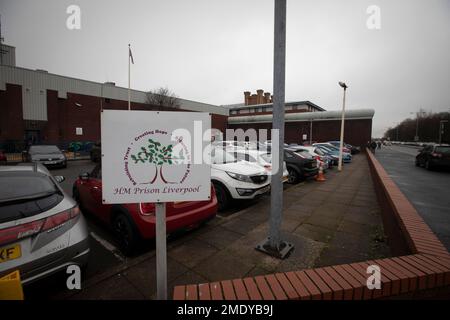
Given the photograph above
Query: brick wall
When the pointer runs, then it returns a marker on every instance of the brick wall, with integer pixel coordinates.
(64, 116)
(356, 132)
(11, 123)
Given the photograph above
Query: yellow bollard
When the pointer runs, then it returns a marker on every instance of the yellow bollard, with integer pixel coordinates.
(11, 287)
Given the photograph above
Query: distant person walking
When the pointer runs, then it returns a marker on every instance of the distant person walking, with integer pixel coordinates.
(379, 144)
(373, 146)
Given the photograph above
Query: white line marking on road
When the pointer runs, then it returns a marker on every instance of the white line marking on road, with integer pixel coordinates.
(108, 246)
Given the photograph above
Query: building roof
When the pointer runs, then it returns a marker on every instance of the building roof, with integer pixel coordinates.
(43, 80)
(240, 106)
(306, 116)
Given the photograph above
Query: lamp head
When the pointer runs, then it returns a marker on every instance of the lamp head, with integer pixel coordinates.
(342, 84)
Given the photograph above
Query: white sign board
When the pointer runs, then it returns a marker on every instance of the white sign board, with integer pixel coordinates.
(79, 131)
(155, 156)
(304, 137)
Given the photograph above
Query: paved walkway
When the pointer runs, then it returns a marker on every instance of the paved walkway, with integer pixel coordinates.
(333, 222)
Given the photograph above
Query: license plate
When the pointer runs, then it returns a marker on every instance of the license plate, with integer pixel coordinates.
(10, 252)
(50, 162)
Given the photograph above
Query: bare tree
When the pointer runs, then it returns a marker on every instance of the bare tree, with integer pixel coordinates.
(162, 97)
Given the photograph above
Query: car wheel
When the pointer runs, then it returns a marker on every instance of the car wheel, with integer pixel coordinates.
(293, 176)
(223, 197)
(125, 233)
(76, 197)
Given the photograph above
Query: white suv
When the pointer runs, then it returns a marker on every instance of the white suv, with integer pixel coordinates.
(236, 179)
(263, 158)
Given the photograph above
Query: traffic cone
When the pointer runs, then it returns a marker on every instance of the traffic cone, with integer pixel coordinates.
(321, 177)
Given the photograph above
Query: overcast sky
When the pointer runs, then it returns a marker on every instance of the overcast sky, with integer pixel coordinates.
(213, 50)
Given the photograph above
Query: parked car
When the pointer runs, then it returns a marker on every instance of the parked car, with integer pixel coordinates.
(320, 156)
(96, 152)
(262, 158)
(434, 156)
(42, 230)
(133, 222)
(331, 153)
(337, 145)
(249, 145)
(48, 155)
(300, 164)
(3, 159)
(236, 179)
(346, 156)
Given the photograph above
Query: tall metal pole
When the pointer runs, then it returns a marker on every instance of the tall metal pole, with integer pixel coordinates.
(161, 252)
(341, 141)
(310, 133)
(276, 194)
(129, 78)
(417, 128)
(441, 129)
(1, 42)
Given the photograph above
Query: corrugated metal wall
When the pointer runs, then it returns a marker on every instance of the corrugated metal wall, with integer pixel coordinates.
(35, 83)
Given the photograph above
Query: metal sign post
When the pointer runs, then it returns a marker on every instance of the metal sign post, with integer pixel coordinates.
(161, 253)
(273, 245)
(155, 157)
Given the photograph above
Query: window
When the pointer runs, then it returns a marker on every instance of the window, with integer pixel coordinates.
(220, 156)
(444, 149)
(97, 172)
(287, 155)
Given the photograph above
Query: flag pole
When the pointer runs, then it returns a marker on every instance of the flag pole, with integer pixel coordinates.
(129, 81)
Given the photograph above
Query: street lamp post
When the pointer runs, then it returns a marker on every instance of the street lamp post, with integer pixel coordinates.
(418, 115)
(341, 143)
(441, 129)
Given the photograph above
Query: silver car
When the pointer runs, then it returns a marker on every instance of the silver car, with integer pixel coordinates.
(48, 155)
(42, 230)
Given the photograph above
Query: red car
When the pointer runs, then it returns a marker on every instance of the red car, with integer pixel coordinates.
(2, 158)
(134, 222)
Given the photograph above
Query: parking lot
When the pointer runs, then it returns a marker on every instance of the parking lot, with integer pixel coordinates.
(336, 221)
(427, 190)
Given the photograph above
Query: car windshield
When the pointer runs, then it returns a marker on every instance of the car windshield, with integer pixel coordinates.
(25, 185)
(331, 147)
(304, 154)
(443, 149)
(319, 152)
(44, 149)
(267, 157)
(220, 156)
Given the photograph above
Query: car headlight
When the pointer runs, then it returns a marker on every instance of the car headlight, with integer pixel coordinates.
(240, 177)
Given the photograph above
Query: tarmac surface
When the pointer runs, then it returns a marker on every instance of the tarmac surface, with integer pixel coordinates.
(428, 191)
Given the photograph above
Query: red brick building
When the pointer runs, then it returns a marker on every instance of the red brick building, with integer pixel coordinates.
(305, 121)
(47, 108)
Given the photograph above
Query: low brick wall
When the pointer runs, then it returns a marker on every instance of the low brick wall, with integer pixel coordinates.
(17, 157)
(406, 229)
(422, 268)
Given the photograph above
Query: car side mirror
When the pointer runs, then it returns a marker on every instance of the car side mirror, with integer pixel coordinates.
(84, 176)
(60, 179)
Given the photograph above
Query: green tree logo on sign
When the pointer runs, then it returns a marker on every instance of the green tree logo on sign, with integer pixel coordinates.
(157, 155)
